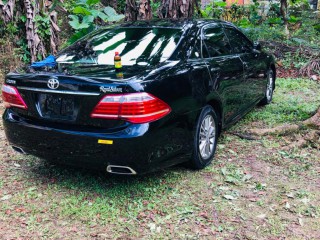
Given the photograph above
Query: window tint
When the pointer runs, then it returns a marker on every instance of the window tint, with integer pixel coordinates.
(215, 43)
(239, 43)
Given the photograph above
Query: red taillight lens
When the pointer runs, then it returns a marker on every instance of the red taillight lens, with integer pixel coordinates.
(132, 107)
(12, 97)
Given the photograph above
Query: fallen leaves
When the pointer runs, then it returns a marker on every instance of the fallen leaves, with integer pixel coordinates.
(305, 200)
(154, 228)
(204, 215)
(262, 216)
(6, 197)
(229, 197)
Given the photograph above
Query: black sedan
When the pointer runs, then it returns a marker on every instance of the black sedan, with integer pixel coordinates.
(136, 97)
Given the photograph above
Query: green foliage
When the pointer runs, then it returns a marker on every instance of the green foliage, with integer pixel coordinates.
(43, 26)
(11, 30)
(264, 32)
(254, 16)
(297, 7)
(274, 10)
(69, 5)
(111, 15)
(296, 60)
(23, 51)
(155, 5)
(214, 10)
(304, 29)
(12, 36)
(307, 32)
(265, 23)
(87, 14)
(244, 15)
(121, 5)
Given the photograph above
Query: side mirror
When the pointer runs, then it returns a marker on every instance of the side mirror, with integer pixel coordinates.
(257, 46)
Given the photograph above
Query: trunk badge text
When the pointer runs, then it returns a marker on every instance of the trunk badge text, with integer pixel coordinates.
(110, 89)
(11, 81)
(53, 83)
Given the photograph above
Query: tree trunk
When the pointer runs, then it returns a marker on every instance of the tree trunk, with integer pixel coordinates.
(6, 10)
(138, 10)
(112, 3)
(35, 44)
(176, 9)
(283, 10)
(13, 9)
(145, 12)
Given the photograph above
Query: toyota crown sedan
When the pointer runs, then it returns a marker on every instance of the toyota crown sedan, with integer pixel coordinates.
(177, 86)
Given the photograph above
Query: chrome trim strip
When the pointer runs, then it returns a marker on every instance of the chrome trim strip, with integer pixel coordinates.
(59, 91)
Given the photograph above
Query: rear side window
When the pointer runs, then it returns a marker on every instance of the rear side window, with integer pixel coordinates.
(215, 43)
(239, 43)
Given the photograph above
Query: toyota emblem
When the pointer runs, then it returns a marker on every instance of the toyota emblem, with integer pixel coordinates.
(53, 83)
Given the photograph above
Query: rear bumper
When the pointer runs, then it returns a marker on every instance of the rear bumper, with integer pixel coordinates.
(141, 147)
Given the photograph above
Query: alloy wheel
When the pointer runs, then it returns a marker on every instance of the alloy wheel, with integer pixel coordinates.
(207, 137)
(269, 90)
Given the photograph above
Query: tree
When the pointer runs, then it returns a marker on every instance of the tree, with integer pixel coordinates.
(138, 10)
(283, 10)
(40, 21)
(6, 10)
(176, 8)
(112, 3)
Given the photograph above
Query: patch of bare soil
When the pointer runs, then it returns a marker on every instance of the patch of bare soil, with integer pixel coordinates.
(281, 199)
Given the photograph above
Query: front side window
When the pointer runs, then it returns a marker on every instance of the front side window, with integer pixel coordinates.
(238, 42)
(215, 43)
(142, 46)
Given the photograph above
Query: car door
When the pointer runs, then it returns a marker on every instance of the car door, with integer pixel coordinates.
(226, 70)
(254, 68)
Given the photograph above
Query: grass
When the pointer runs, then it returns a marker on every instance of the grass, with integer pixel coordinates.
(252, 190)
(289, 104)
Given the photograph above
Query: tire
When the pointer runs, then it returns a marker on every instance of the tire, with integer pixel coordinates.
(205, 139)
(269, 88)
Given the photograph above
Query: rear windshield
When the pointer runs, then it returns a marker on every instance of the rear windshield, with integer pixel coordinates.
(142, 46)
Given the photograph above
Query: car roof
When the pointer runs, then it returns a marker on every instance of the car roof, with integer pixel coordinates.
(173, 23)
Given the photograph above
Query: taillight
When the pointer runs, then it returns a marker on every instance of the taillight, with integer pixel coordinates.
(132, 107)
(12, 97)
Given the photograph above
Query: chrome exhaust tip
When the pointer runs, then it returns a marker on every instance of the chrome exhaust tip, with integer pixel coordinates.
(18, 149)
(123, 170)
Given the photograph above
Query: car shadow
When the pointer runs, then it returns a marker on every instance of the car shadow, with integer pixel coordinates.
(98, 182)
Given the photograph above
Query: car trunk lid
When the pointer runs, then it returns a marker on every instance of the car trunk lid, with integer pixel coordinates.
(68, 100)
